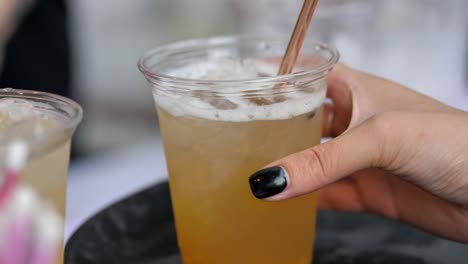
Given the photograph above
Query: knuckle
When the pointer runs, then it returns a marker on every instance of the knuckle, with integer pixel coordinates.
(383, 130)
(308, 169)
(317, 162)
(381, 124)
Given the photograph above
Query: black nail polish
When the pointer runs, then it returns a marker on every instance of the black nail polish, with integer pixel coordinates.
(268, 182)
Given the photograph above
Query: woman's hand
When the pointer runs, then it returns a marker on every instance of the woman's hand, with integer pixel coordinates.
(396, 153)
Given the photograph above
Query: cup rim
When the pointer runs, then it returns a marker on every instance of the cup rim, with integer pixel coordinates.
(71, 121)
(167, 50)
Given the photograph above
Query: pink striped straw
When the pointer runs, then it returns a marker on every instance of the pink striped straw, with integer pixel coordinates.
(48, 236)
(16, 205)
(19, 227)
(17, 154)
(9, 183)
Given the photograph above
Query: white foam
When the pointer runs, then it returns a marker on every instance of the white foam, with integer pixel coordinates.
(298, 102)
(225, 68)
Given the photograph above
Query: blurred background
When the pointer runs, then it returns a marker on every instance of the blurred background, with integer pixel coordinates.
(88, 49)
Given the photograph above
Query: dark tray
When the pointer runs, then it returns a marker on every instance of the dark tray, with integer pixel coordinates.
(140, 230)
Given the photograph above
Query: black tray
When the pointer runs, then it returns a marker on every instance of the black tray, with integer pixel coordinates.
(140, 230)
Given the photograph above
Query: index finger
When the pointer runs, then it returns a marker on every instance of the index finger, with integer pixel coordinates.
(337, 115)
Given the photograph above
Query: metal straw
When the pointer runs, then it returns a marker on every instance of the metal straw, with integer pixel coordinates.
(292, 51)
(298, 36)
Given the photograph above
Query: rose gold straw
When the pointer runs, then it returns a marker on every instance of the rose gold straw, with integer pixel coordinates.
(292, 51)
(298, 36)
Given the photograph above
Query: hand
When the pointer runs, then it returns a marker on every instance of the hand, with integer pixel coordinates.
(397, 153)
(6, 9)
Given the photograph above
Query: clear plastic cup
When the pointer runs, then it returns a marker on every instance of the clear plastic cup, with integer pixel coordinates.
(46, 123)
(224, 114)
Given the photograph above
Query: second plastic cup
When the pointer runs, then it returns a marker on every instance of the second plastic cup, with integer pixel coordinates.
(45, 123)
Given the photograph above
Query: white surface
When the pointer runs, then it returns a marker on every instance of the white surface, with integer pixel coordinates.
(97, 182)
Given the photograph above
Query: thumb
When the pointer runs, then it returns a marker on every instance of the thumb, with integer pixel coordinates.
(303, 172)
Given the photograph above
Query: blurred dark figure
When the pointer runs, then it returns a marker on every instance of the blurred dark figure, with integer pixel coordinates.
(37, 55)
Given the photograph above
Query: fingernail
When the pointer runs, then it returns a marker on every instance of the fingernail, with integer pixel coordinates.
(268, 182)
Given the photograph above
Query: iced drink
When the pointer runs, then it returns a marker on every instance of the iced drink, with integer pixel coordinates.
(223, 115)
(45, 122)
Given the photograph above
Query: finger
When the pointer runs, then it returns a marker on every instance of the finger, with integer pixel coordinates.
(319, 166)
(428, 212)
(327, 120)
(382, 193)
(340, 196)
(367, 190)
(340, 94)
(358, 96)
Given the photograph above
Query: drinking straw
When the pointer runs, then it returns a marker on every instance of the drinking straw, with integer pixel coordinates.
(17, 153)
(48, 237)
(297, 37)
(16, 204)
(18, 226)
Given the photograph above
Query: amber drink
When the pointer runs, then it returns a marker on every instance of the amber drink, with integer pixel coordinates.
(224, 114)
